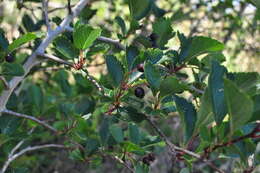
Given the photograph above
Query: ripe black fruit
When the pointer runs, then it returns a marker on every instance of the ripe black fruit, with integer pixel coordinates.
(139, 92)
(9, 58)
(148, 159)
(140, 67)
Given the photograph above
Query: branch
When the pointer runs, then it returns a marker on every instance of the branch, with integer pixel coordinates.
(2, 78)
(253, 135)
(13, 156)
(33, 60)
(44, 124)
(122, 162)
(111, 41)
(45, 12)
(57, 59)
(90, 78)
(175, 149)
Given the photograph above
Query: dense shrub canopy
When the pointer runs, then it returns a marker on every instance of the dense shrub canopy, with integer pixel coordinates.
(129, 86)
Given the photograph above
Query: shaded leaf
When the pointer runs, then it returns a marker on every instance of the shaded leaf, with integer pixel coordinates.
(115, 69)
(66, 48)
(163, 29)
(172, 85)
(139, 9)
(152, 75)
(188, 115)
(240, 106)
(121, 23)
(117, 133)
(216, 91)
(134, 133)
(12, 69)
(131, 54)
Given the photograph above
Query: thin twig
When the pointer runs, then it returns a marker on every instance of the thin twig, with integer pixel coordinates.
(111, 41)
(69, 7)
(90, 78)
(2, 78)
(122, 162)
(175, 149)
(54, 58)
(45, 12)
(252, 134)
(44, 124)
(12, 157)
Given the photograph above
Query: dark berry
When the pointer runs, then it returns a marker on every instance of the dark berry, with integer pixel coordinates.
(151, 157)
(146, 161)
(139, 92)
(9, 58)
(153, 37)
(140, 67)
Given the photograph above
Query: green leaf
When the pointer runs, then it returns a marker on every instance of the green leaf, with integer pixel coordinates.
(9, 124)
(23, 39)
(172, 85)
(188, 115)
(134, 133)
(152, 75)
(104, 131)
(85, 105)
(141, 168)
(158, 12)
(12, 69)
(92, 146)
(121, 23)
(217, 56)
(205, 114)
(61, 77)
(131, 147)
(216, 91)
(36, 96)
(185, 170)
(131, 54)
(200, 45)
(139, 9)
(153, 55)
(240, 106)
(115, 69)
(84, 36)
(245, 81)
(256, 112)
(163, 29)
(117, 133)
(3, 42)
(66, 48)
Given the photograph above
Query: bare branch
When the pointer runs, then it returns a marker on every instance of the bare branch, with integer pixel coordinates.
(45, 12)
(122, 162)
(174, 149)
(44, 124)
(111, 41)
(13, 156)
(90, 78)
(33, 60)
(54, 58)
